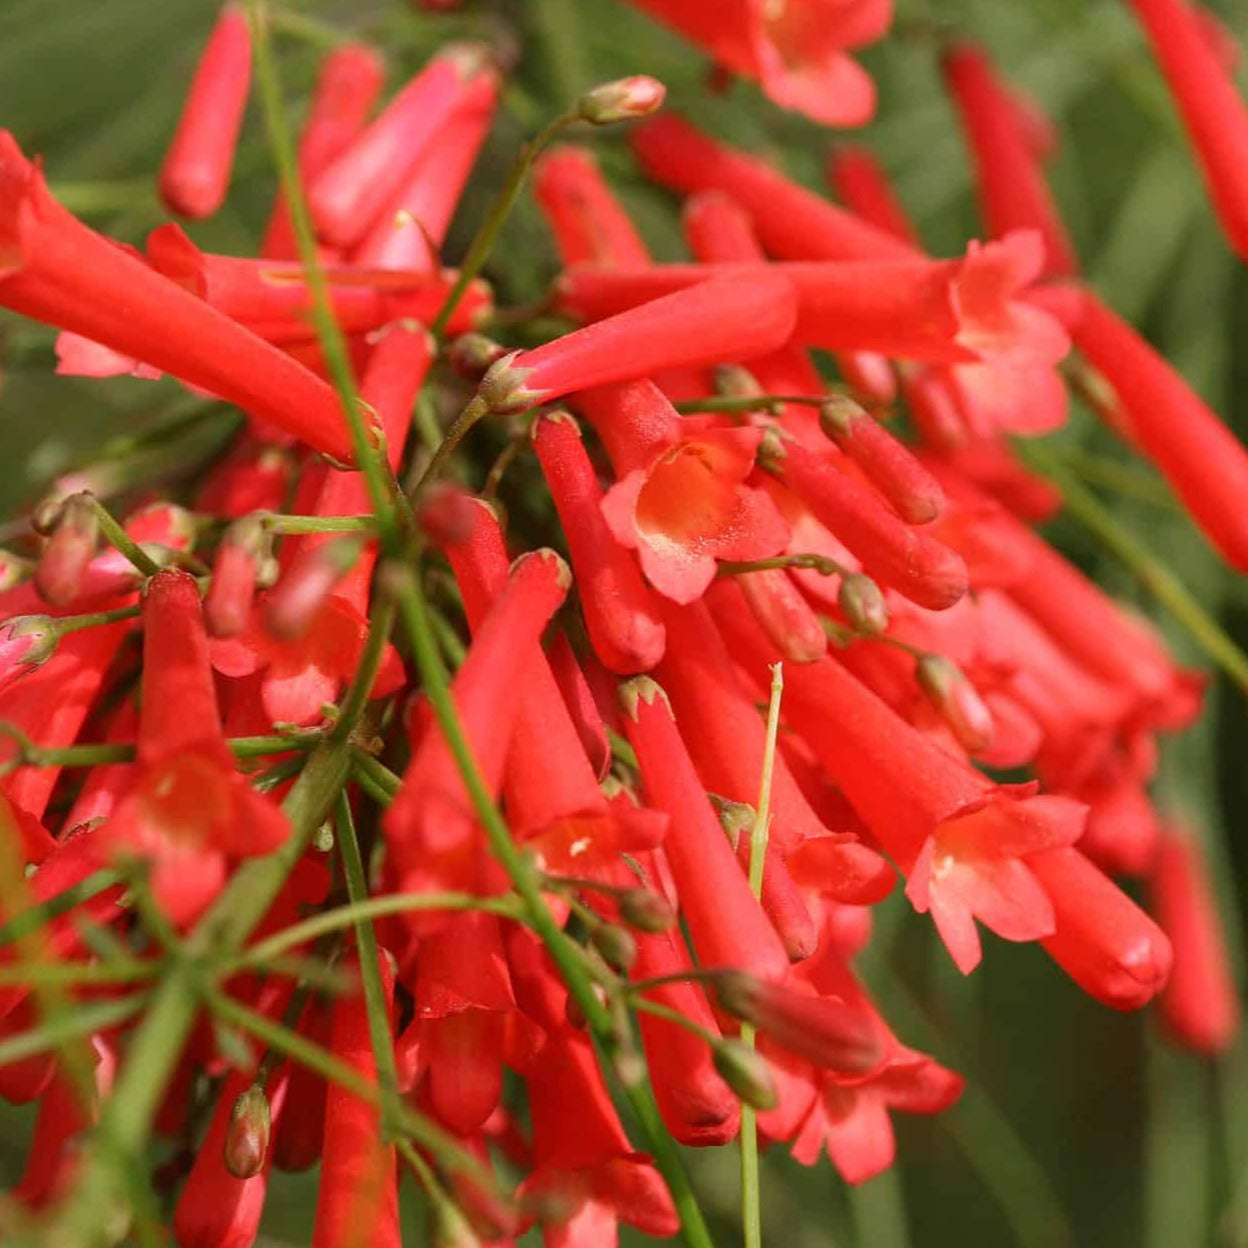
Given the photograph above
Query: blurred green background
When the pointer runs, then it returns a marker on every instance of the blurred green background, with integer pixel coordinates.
(1079, 1126)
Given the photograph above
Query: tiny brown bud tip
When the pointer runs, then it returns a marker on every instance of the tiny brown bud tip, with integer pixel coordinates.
(957, 701)
(737, 993)
(646, 911)
(863, 604)
(734, 382)
(746, 1072)
(616, 944)
(838, 414)
(64, 559)
(771, 453)
(625, 99)
(563, 573)
(472, 355)
(247, 1137)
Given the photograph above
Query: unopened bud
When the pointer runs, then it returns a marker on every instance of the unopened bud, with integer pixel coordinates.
(625, 99)
(957, 701)
(862, 602)
(448, 514)
(616, 944)
(323, 838)
(301, 593)
(64, 560)
(502, 389)
(746, 1072)
(472, 355)
(47, 515)
(646, 911)
(235, 571)
(28, 640)
(247, 1137)
(734, 382)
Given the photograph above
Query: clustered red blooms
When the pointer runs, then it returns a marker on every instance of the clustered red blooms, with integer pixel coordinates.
(929, 635)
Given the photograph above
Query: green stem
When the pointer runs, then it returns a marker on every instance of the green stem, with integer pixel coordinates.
(526, 881)
(76, 623)
(751, 1198)
(35, 917)
(264, 951)
(31, 755)
(120, 540)
(380, 627)
(298, 526)
(370, 956)
(1082, 505)
(487, 234)
(84, 1020)
(732, 403)
(659, 1010)
(812, 563)
(307, 1053)
(476, 409)
(386, 782)
(377, 477)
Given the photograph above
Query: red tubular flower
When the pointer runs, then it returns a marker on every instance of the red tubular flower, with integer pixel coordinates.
(939, 311)
(792, 222)
(347, 195)
(588, 222)
(272, 298)
(913, 493)
(726, 737)
(1102, 939)
(431, 826)
(964, 843)
(196, 171)
(828, 1032)
(227, 606)
(728, 318)
(303, 671)
(358, 1199)
(554, 803)
(1012, 191)
(187, 811)
(621, 615)
(859, 181)
(346, 90)
(1202, 459)
(467, 1024)
(924, 570)
(216, 1209)
(796, 52)
(728, 926)
(696, 1104)
(682, 500)
(784, 615)
(1212, 110)
(1200, 1004)
(413, 226)
(56, 270)
(582, 1156)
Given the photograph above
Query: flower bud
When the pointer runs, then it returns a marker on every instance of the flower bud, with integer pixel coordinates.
(64, 560)
(448, 515)
(737, 820)
(235, 572)
(732, 381)
(957, 701)
(625, 99)
(27, 641)
(646, 911)
(746, 1072)
(616, 944)
(247, 1137)
(862, 602)
(472, 355)
(824, 1030)
(302, 592)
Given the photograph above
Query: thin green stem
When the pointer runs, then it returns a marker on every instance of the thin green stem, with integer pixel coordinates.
(29, 920)
(659, 1010)
(476, 409)
(31, 755)
(741, 403)
(307, 1053)
(369, 460)
(370, 956)
(298, 526)
(483, 240)
(265, 951)
(120, 540)
(96, 619)
(808, 562)
(380, 627)
(1156, 577)
(385, 781)
(751, 1197)
(69, 1029)
(564, 952)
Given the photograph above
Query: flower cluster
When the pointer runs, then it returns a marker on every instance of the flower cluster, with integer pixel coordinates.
(339, 796)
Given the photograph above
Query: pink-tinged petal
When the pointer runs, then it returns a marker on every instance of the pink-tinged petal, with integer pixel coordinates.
(860, 1136)
(835, 92)
(186, 883)
(918, 1084)
(673, 570)
(953, 919)
(1003, 895)
(236, 656)
(593, 1225)
(619, 508)
(809, 1141)
(259, 826)
(77, 356)
(294, 692)
(1025, 400)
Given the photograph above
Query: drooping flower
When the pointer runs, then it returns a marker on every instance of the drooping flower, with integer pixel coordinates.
(188, 812)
